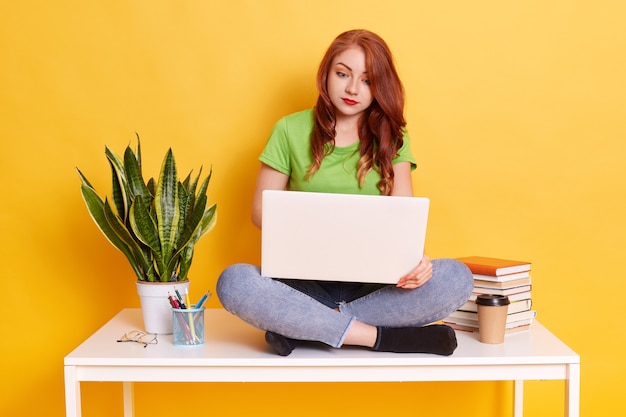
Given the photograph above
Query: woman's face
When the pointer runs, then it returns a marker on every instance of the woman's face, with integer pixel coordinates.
(348, 84)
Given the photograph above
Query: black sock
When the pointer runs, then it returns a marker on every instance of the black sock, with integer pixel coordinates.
(281, 344)
(436, 338)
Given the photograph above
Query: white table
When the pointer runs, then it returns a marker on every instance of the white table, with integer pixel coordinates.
(236, 352)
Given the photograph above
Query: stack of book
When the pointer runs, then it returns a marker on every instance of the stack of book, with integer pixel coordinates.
(497, 276)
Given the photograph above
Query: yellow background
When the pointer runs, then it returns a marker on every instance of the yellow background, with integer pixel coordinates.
(517, 114)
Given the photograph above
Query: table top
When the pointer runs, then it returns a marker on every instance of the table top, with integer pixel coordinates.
(230, 342)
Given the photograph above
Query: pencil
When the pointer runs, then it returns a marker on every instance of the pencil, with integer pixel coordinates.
(190, 317)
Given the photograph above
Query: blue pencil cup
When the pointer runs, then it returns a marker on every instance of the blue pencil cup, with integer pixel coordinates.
(188, 326)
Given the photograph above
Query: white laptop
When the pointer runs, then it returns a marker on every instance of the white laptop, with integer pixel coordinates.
(341, 237)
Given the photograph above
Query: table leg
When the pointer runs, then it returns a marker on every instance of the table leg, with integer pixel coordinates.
(518, 398)
(72, 393)
(129, 398)
(572, 390)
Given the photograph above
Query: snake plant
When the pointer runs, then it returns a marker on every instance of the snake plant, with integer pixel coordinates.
(154, 224)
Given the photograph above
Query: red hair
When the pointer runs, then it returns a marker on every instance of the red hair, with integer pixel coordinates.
(381, 125)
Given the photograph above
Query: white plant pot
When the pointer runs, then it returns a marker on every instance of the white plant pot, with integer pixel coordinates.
(155, 307)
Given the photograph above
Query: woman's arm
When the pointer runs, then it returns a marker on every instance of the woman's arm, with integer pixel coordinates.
(402, 182)
(403, 186)
(267, 179)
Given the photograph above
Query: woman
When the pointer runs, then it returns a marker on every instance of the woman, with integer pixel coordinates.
(352, 141)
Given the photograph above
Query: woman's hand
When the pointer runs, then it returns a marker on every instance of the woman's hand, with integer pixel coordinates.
(417, 277)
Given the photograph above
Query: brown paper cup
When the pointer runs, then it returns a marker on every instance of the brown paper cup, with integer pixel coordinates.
(492, 313)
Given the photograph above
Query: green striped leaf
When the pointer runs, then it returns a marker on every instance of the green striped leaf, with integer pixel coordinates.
(145, 228)
(95, 207)
(119, 186)
(134, 177)
(167, 207)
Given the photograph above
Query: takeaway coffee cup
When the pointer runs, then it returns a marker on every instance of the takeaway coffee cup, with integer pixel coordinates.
(492, 312)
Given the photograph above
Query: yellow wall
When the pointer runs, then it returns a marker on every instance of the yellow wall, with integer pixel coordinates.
(516, 109)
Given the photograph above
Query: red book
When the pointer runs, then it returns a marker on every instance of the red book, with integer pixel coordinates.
(494, 266)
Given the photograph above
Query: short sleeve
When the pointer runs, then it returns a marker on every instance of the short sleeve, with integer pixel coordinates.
(404, 153)
(276, 151)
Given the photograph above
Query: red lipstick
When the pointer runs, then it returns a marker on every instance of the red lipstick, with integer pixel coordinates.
(349, 102)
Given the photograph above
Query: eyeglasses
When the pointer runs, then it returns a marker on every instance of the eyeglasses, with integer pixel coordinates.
(139, 337)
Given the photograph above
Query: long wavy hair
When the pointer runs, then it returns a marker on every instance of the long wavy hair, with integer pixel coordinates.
(381, 125)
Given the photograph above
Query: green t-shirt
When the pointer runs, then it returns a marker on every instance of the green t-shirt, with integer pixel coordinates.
(288, 150)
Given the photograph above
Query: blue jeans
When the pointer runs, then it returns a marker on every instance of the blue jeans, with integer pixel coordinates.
(324, 311)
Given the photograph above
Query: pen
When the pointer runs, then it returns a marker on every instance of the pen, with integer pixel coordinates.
(172, 300)
(180, 299)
